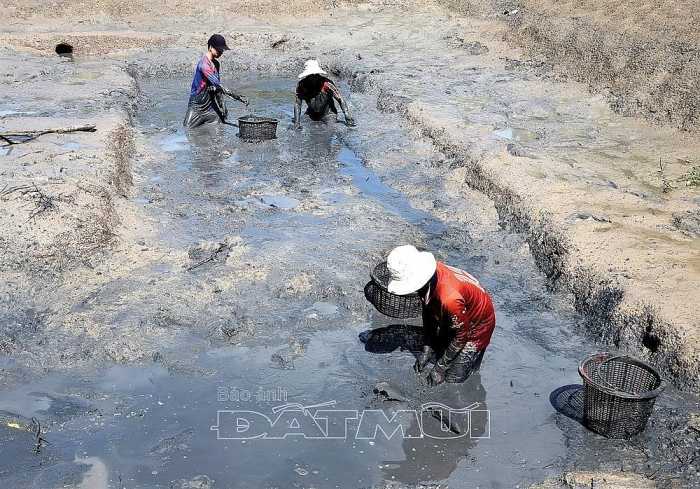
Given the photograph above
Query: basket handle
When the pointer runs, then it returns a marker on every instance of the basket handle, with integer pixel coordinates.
(603, 362)
(644, 395)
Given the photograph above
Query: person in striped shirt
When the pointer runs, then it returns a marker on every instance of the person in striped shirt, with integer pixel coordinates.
(206, 103)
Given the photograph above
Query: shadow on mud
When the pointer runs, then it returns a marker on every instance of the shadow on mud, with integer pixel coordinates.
(568, 400)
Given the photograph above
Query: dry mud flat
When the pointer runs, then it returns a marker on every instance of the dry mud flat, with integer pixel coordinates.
(606, 222)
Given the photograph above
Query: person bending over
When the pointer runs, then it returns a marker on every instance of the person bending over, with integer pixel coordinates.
(320, 95)
(458, 314)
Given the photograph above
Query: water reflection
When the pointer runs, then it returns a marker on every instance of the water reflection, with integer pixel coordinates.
(435, 455)
(446, 422)
(215, 149)
(207, 151)
(319, 142)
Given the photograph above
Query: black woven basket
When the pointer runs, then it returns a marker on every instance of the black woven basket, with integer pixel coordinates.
(618, 394)
(392, 305)
(256, 128)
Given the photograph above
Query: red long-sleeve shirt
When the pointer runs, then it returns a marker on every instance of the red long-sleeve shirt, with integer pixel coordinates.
(461, 303)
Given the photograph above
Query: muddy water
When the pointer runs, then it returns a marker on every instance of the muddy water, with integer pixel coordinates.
(299, 400)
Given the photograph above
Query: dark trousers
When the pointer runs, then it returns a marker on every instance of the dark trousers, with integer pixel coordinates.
(468, 360)
(466, 363)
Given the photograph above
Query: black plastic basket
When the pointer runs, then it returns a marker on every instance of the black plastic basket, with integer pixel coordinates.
(392, 305)
(254, 128)
(618, 394)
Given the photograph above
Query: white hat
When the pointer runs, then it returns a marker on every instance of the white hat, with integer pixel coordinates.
(311, 67)
(410, 269)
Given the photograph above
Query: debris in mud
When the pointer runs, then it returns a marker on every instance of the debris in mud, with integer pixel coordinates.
(285, 357)
(45, 203)
(280, 43)
(389, 393)
(280, 202)
(692, 178)
(687, 221)
(197, 482)
(40, 441)
(19, 137)
(666, 185)
(177, 443)
(19, 422)
(203, 253)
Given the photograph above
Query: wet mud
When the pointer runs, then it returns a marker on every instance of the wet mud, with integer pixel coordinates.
(248, 329)
(209, 326)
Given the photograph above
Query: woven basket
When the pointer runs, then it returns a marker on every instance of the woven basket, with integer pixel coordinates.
(256, 128)
(619, 393)
(392, 305)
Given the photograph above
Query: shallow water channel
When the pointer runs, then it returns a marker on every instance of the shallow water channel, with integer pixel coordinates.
(321, 391)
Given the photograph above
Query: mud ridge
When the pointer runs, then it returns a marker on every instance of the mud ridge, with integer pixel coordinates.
(618, 49)
(639, 330)
(121, 147)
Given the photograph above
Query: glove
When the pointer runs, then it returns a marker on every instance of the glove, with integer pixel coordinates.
(436, 375)
(423, 360)
(350, 121)
(234, 96)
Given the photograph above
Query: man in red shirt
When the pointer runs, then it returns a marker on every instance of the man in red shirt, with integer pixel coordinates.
(458, 314)
(320, 95)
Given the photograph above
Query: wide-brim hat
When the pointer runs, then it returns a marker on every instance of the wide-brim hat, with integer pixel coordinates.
(410, 269)
(311, 67)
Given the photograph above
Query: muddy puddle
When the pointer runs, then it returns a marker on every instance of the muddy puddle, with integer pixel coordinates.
(303, 384)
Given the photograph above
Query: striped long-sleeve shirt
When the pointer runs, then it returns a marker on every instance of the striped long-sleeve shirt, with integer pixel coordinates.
(206, 74)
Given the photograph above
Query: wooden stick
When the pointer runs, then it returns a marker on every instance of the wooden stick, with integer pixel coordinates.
(29, 135)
